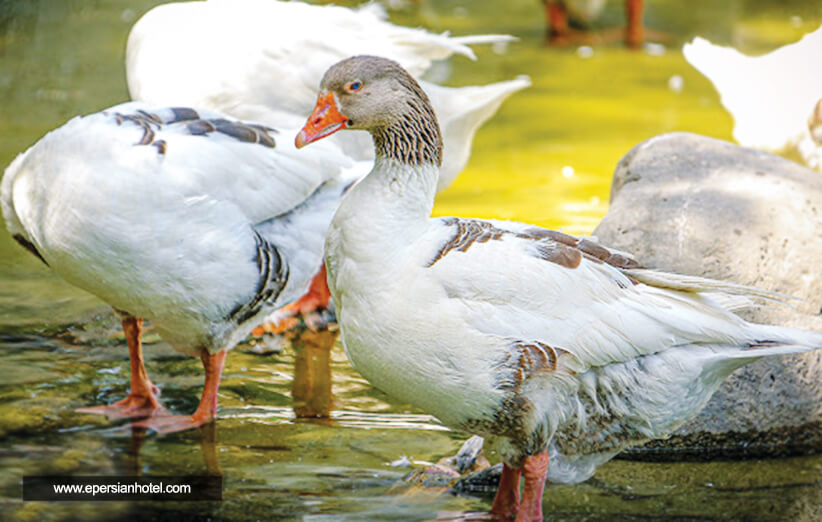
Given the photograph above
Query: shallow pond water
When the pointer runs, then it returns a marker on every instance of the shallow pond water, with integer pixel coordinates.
(545, 158)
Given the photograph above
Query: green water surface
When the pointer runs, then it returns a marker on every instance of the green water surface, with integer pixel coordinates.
(546, 158)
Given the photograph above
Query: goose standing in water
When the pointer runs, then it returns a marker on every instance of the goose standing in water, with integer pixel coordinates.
(560, 351)
(200, 223)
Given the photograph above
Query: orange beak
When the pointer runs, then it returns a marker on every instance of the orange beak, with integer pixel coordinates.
(324, 121)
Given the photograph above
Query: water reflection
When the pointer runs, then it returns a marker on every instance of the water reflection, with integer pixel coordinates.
(131, 462)
(208, 445)
(311, 388)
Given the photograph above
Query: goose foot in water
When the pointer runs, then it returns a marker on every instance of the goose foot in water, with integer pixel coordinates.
(142, 398)
(206, 411)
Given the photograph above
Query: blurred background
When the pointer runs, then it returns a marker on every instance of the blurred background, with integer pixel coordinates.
(546, 157)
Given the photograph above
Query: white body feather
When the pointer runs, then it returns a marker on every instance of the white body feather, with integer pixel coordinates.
(171, 235)
(771, 96)
(262, 60)
(435, 330)
(584, 11)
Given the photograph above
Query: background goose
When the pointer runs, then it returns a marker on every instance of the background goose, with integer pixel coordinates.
(772, 98)
(198, 222)
(551, 345)
(261, 60)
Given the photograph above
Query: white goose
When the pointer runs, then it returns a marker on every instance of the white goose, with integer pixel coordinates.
(184, 217)
(549, 344)
(773, 99)
(261, 60)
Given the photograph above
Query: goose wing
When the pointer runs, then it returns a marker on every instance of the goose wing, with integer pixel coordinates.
(531, 284)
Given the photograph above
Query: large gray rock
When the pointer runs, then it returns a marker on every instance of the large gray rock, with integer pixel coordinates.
(696, 205)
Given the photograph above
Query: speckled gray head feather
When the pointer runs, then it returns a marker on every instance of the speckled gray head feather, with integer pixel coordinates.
(388, 103)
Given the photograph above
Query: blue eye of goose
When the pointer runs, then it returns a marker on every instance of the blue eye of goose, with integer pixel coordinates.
(355, 86)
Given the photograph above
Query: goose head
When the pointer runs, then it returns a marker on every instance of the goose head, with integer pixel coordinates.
(376, 95)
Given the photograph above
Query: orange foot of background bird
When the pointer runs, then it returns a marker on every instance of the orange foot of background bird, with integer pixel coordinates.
(288, 317)
(559, 33)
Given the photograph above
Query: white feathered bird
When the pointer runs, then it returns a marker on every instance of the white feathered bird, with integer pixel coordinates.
(772, 98)
(551, 345)
(261, 60)
(198, 222)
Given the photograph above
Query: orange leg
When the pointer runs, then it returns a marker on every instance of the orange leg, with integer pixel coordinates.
(317, 297)
(142, 399)
(206, 411)
(634, 33)
(534, 470)
(557, 20)
(506, 501)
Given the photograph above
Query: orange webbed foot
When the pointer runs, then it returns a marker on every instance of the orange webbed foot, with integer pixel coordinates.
(164, 424)
(133, 406)
(207, 410)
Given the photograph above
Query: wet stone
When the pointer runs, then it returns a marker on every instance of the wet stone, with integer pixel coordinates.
(482, 482)
(696, 205)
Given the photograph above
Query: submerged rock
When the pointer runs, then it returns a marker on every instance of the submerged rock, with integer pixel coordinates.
(696, 205)
(483, 482)
(458, 473)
